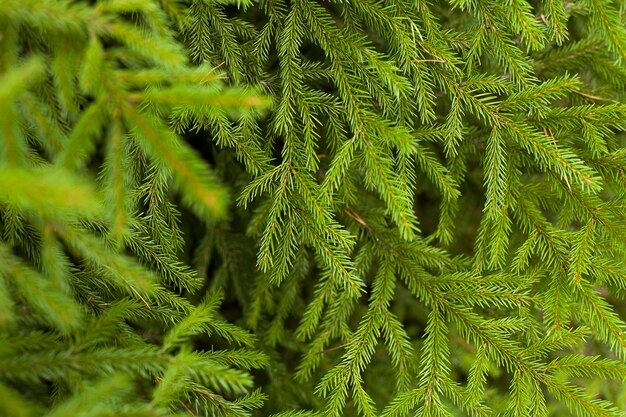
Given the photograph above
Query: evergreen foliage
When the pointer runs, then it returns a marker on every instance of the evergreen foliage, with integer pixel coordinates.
(312, 208)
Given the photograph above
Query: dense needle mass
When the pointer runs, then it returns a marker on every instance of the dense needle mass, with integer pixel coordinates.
(312, 208)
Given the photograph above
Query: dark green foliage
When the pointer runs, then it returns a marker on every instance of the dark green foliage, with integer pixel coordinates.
(306, 208)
